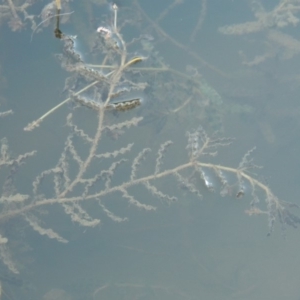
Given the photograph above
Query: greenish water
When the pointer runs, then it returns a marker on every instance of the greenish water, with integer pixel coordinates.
(193, 248)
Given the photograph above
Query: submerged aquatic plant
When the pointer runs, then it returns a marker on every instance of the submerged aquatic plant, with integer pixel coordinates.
(86, 173)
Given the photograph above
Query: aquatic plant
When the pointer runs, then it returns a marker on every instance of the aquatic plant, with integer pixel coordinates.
(86, 173)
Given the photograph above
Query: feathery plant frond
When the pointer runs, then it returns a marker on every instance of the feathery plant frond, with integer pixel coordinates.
(93, 174)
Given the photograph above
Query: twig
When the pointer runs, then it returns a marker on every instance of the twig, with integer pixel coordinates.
(58, 5)
(47, 19)
(200, 20)
(13, 9)
(167, 10)
(179, 45)
(37, 122)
